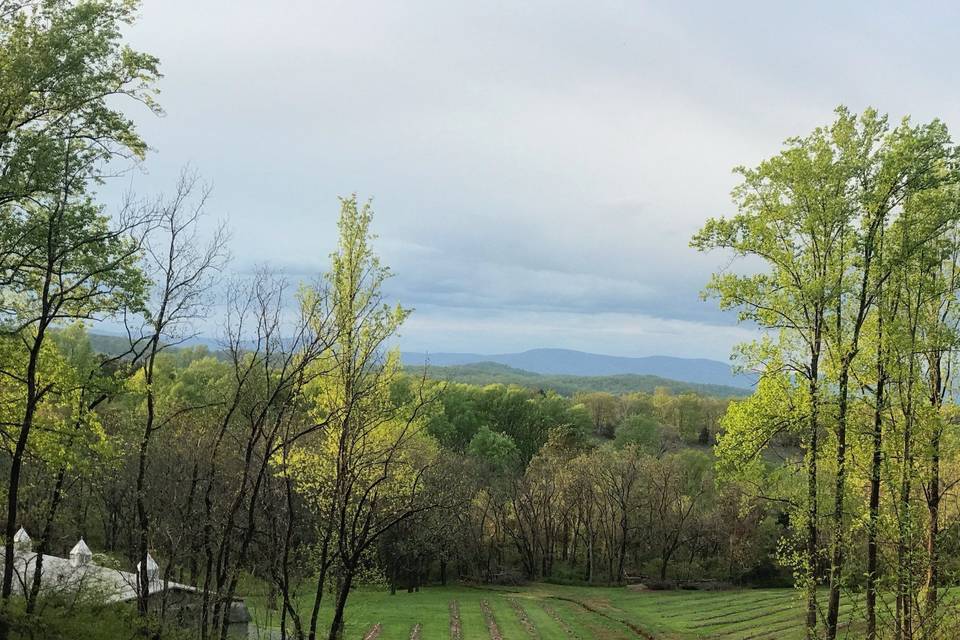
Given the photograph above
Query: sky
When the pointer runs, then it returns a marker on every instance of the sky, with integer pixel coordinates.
(537, 168)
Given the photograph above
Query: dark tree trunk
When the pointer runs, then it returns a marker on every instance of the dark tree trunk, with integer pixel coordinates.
(933, 499)
(16, 466)
(45, 541)
(875, 468)
(813, 452)
(836, 562)
(336, 627)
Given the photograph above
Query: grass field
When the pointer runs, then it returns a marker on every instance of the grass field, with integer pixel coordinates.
(556, 612)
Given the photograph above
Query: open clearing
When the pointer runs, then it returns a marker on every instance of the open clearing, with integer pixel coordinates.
(557, 612)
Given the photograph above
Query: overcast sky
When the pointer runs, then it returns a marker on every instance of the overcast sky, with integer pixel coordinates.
(537, 169)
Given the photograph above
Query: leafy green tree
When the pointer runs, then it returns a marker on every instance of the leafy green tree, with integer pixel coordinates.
(72, 442)
(364, 472)
(816, 215)
(790, 211)
(63, 65)
(643, 432)
(496, 451)
(61, 257)
(939, 324)
(459, 417)
(72, 263)
(605, 411)
(888, 168)
(677, 493)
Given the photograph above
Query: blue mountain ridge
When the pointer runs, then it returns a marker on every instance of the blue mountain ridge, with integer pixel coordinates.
(580, 363)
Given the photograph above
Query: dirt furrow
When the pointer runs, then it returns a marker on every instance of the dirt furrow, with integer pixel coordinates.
(491, 621)
(455, 632)
(643, 633)
(524, 618)
(567, 629)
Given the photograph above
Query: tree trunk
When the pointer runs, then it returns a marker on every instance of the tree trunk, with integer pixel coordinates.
(622, 551)
(321, 581)
(16, 465)
(933, 501)
(288, 604)
(904, 629)
(45, 541)
(810, 586)
(836, 562)
(143, 519)
(873, 529)
(336, 627)
(143, 526)
(589, 556)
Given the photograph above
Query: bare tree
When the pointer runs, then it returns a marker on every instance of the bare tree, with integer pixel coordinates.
(273, 360)
(183, 272)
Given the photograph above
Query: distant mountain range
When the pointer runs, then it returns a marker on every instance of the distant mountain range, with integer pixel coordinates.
(579, 363)
(484, 373)
(563, 370)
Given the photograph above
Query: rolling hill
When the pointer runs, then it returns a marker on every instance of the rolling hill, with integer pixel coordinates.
(566, 362)
(483, 373)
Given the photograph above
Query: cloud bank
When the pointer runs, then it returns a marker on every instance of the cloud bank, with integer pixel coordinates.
(537, 168)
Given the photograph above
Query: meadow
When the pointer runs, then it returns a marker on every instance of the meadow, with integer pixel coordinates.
(550, 612)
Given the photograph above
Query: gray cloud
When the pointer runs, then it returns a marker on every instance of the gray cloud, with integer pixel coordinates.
(538, 168)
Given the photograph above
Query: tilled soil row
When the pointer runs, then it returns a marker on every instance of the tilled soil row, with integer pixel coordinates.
(643, 633)
(491, 621)
(455, 631)
(567, 629)
(523, 617)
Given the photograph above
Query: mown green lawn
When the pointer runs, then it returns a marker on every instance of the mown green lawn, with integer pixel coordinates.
(560, 612)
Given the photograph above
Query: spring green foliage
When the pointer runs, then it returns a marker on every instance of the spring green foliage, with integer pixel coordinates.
(642, 431)
(773, 414)
(853, 223)
(495, 450)
(304, 457)
(62, 66)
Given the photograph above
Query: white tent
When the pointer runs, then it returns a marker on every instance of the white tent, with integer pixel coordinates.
(80, 554)
(22, 542)
(152, 568)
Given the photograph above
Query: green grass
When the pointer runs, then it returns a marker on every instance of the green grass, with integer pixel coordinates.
(563, 612)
